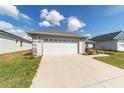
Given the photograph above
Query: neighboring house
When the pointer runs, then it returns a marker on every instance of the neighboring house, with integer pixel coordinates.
(12, 43)
(112, 41)
(89, 44)
(57, 42)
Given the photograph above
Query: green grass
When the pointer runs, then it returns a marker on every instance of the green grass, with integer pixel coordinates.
(115, 58)
(18, 71)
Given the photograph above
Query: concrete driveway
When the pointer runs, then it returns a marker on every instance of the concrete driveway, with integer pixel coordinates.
(67, 71)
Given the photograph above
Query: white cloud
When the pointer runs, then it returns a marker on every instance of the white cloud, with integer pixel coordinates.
(82, 30)
(24, 16)
(44, 13)
(5, 26)
(11, 29)
(12, 11)
(89, 35)
(18, 32)
(27, 37)
(113, 10)
(75, 24)
(53, 17)
(45, 23)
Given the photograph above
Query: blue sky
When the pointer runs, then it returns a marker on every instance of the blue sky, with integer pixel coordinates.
(93, 20)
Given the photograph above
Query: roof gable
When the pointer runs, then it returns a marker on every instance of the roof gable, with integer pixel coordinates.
(120, 36)
(106, 37)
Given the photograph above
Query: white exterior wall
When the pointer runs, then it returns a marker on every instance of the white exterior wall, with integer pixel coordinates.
(106, 45)
(37, 46)
(120, 46)
(34, 46)
(8, 44)
(81, 46)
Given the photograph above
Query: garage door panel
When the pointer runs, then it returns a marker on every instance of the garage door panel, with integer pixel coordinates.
(59, 48)
(121, 47)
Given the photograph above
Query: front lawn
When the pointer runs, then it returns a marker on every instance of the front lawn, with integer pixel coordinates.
(17, 70)
(115, 58)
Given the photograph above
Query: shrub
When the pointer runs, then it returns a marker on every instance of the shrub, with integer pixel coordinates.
(90, 51)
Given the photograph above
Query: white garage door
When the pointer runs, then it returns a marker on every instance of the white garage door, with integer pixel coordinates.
(60, 48)
(121, 47)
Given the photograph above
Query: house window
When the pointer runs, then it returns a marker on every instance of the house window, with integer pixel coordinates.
(45, 39)
(55, 40)
(39, 37)
(60, 40)
(72, 40)
(33, 37)
(50, 39)
(64, 40)
(68, 40)
(21, 43)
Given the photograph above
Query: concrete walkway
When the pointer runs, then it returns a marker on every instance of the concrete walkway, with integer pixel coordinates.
(68, 71)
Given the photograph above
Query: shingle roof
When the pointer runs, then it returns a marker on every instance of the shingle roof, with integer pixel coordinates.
(106, 37)
(56, 33)
(89, 41)
(14, 36)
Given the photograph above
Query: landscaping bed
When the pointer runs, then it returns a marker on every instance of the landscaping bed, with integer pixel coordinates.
(17, 70)
(115, 58)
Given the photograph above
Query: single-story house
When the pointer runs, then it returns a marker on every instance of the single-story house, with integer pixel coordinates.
(112, 41)
(89, 43)
(11, 43)
(57, 42)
